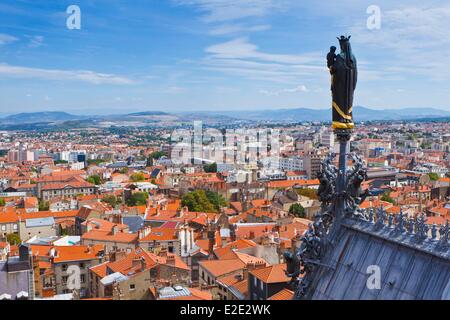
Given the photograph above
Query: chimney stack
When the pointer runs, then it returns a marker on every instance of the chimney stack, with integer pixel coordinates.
(139, 262)
(163, 252)
(170, 259)
(211, 240)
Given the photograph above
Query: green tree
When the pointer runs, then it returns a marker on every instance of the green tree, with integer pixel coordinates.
(387, 197)
(308, 192)
(297, 210)
(198, 201)
(137, 199)
(2, 202)
(13, 239)
(44, 205)
(433, 176)
(216, 199)
(111, 200)
(153, 156)
(95, 161)
(94, 179)
(137, 177)
(210, 168)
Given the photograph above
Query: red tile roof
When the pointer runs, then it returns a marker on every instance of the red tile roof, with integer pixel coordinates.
(284, 294)
(219, 268)
(271, 274)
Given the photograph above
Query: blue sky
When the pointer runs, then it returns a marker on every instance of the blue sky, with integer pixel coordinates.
(196, 55)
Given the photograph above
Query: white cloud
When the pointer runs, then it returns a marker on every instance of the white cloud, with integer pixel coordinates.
(175, 90)
(237, 28)
(228, 10)
(300, 88)
(416, 40)
(241, 58)
(36, 41)
(241, 48)
(62, 75)
(225, 16)
(6, 38)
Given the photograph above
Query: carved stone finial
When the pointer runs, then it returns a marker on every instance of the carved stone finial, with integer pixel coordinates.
(421, 227)
(434, 231)
(381, 217)
(371, 215)
(390, 220)
(411, 223)
(444, 233)
(400, 223)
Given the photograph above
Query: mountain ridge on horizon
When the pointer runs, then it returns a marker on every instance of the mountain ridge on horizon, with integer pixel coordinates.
(361, 113)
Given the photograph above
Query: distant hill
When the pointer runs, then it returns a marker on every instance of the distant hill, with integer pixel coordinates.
(58, 119)
(35, 117)
(148, 113)
(366, 114)
(360, 114)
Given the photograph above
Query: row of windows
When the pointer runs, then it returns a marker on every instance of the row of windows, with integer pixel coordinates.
(257, 282)
(15, 226)
(64, 267)
(206, 278)
(69, 191)
(65, 278)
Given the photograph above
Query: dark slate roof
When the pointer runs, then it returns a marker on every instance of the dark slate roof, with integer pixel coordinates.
(134, 223)
(410, 269)
(14, 277)
(117, 165)
(155, 173)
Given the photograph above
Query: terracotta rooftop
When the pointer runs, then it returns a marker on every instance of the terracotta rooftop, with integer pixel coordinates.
(284, 294)
(68, 253)
(219, 268)
(271, 274)
(291, 183)
(106, 236)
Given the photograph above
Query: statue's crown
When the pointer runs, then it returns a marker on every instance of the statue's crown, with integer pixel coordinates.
(343, 38)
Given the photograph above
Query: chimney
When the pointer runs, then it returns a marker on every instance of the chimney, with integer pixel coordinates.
(163, 252)
(211, 240)
(170, 259)
(144, 232)
(117, 255)
(139, 262)
(252, 235)
(52, 252)
(233, 232)
(115, 230)
(143, 264)
(182, 212)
